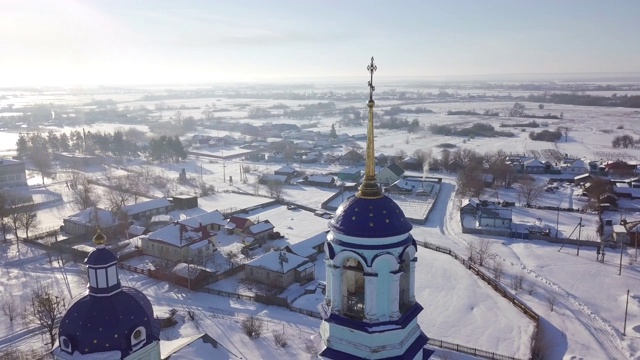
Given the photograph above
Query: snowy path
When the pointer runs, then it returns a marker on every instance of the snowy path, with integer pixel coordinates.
(602, 331)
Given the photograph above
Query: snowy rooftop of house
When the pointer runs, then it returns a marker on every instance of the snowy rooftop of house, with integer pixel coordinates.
(261, 227)
(273, 177)
(286, 169)
(320, 178)
(306, 247)
(278, 261)
(350, 170)
(93, 216)
(403, 184)
(194, 347)
(184, 270)
(135, 230)
(213, 217)
(145, 206)
(170, 234)
(199, 244)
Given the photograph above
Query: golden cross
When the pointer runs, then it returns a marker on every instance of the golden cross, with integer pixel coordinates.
(371, 68)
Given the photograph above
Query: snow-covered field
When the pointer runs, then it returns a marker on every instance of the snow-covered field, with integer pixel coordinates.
(588, 316)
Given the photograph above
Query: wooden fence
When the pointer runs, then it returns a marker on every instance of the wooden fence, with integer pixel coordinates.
(495, 285)
(469, 350)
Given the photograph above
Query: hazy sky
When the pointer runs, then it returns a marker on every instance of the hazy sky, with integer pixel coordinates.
(90, 42)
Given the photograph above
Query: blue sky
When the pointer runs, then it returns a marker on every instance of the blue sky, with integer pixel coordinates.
(86, 42)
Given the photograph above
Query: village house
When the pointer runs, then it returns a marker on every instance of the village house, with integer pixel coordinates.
(237, 225)
(494, 216)
(179, 242)
(318, 180)
(260, 231)
(279, 269)
(350, 174)
(267, 179)
(78, 160)
(12, 173)
(86, 221)
(533, 166)
(147, 209)
(411, 163)
(287, 171)
(389, 174)
(309, 248)
(352, 158)
(574, 167)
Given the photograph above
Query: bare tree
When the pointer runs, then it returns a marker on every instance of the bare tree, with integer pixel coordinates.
(280, 339)
(253, 326)
(208, 112)
(83, 193)
(529, 191)
(42, 163)
(517, 281)
(29, 219)
(4, 213)
(135, 186)
(46, 307)
(275, 189)
(480, 252)
(530, 288)
(551, 301)
(497, 269)
(15, 214)
(310, 347)
(10, 306)
(118, 194)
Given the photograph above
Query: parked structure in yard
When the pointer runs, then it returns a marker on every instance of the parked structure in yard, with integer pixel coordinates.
(184, 202)
(279, 269)
(494, 216)
(12, 173)
(318, 180)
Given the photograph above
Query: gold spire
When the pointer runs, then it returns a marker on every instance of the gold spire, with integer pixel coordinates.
(369, 188)
(99, 238)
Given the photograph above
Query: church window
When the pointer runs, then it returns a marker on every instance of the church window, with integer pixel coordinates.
(353, 288)
(113, 277)
(102, 278)
(92, 278)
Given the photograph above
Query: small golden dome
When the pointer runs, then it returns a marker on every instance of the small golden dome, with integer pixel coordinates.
(99, 238)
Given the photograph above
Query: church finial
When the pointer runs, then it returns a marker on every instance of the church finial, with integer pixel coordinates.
(369, 188)
(99, 238)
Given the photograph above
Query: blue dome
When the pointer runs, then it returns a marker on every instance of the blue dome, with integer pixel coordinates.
(370, 218)
(96, 324)
(100, 257)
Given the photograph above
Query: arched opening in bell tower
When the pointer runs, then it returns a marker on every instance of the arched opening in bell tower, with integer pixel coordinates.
(405, 283)
(353, 288)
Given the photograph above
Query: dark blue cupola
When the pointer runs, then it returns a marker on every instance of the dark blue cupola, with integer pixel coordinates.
(111, 319)
(102, 268)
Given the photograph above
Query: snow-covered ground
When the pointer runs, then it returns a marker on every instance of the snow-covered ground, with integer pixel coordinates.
(588, 316)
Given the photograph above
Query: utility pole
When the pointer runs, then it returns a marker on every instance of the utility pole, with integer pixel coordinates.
(621, 248)
(579, 232)
(626, 309)
(200, 172)
(558, 219)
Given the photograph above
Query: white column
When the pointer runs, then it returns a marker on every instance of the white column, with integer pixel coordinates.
(336, 288)
(412, 282)
(394, 295)
(370, 294)
(329, 280)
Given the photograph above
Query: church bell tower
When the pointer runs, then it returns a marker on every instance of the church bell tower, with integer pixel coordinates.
(370, 311)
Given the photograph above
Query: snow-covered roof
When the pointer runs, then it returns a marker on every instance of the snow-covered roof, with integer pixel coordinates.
(170, 234)
(187, 270)
(403, 184)
(320, 178)
(278, 261)
(273, 177)
(199, 244)
(261, 227)
(145, 206)
(135, 230)
(106, 355)
(194, 347)
(213, 217)
(349, 170)
(93, 216)
(286, 169)
(306, 247)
